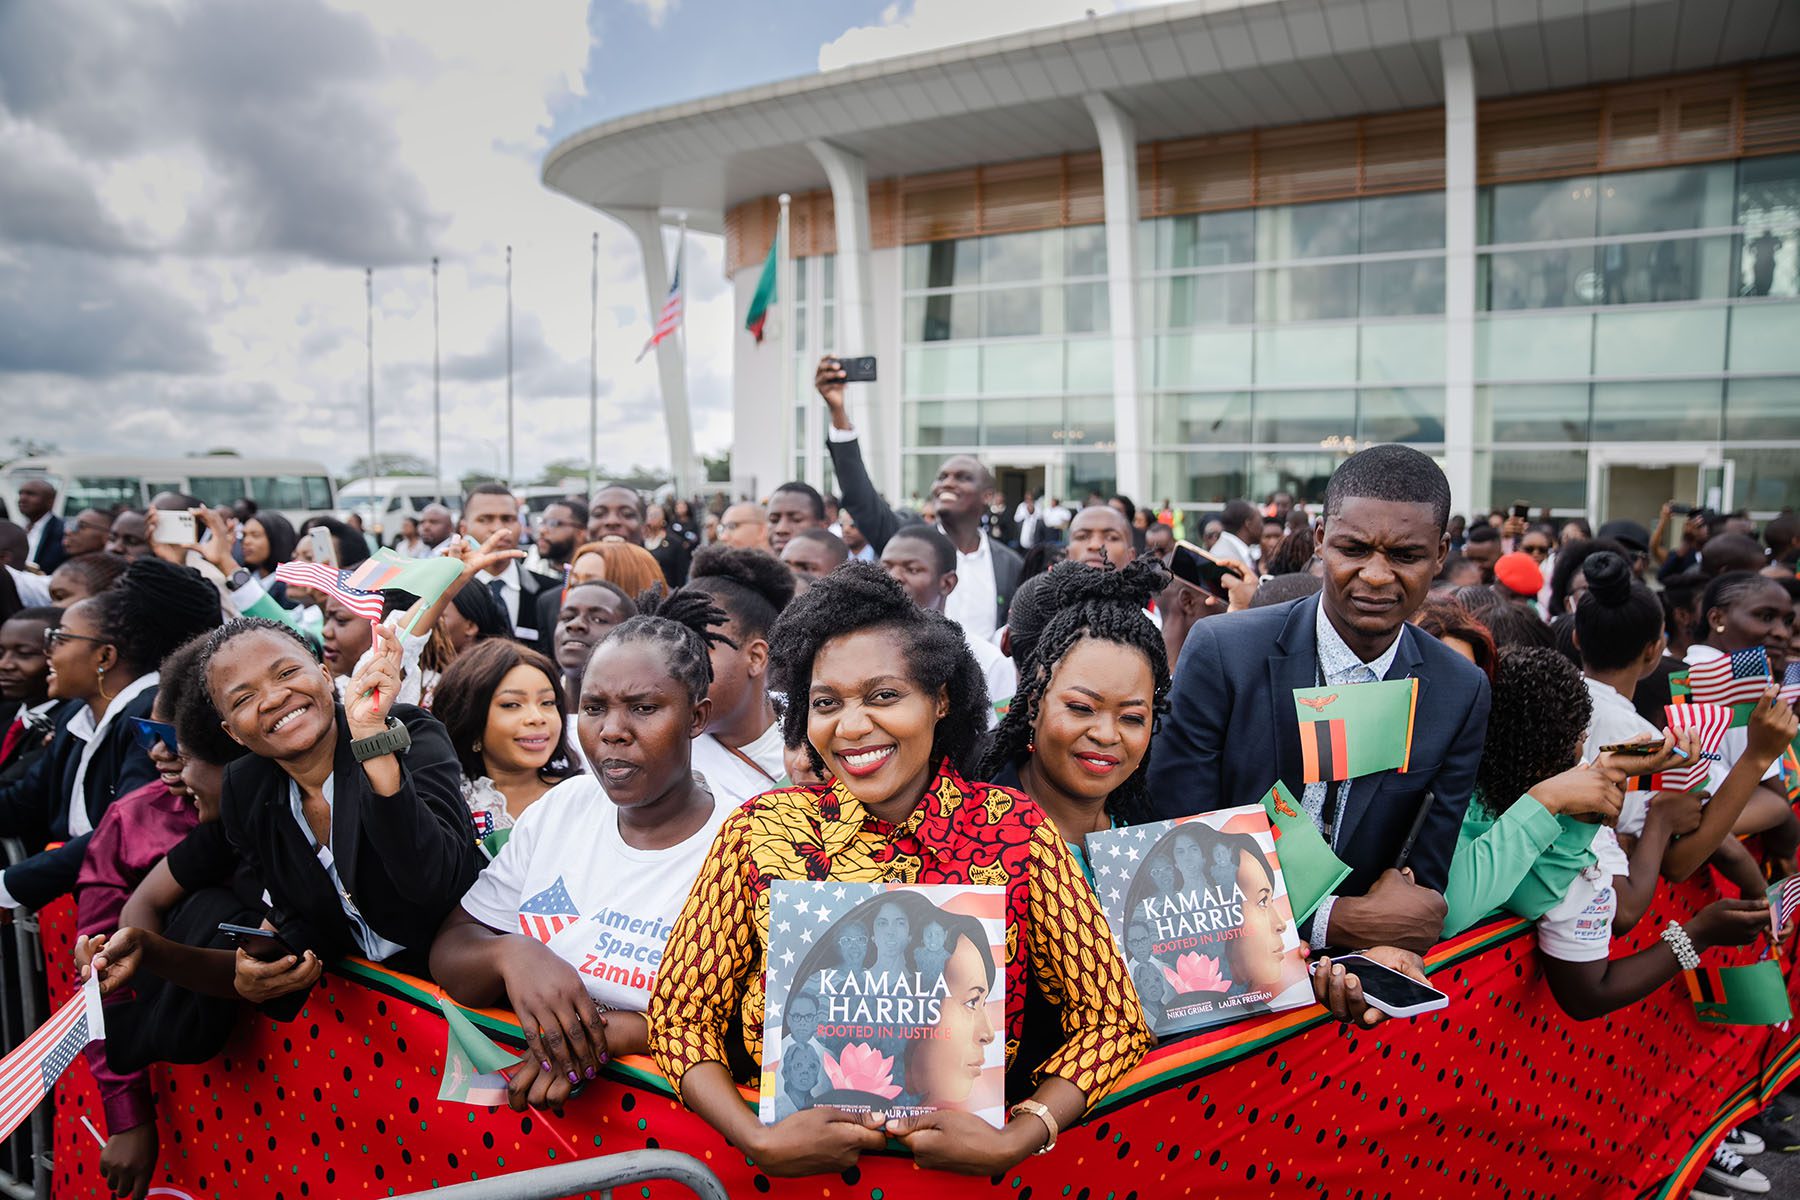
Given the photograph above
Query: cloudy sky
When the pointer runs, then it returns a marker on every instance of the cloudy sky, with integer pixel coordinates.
(190, 189)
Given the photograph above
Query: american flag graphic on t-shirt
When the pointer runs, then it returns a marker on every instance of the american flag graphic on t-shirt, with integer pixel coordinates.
(549, 912)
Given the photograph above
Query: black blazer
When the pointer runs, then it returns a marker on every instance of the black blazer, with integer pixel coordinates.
(406, 859)
(879, 522)
(50, 554)
(35, 807)
(533, 588)
(1231, 733)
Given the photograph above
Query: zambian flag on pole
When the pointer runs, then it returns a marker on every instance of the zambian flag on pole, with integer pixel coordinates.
(765, 295)
(1752, 995)
(472, 1063)
(1357, 729)
(1308, 865)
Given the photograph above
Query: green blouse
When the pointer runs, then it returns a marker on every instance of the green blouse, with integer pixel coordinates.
(1522, 861)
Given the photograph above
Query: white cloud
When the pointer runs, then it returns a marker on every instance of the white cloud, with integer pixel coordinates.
(656, 11)
(933, 24)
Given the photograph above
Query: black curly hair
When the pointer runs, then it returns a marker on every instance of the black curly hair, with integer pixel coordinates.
(182, 692)
(1539, 717)
(752, 586)
(859, 596)
(155, 607)
(1617, 616)
(680, 624)
(214, 643)
(1105, 605)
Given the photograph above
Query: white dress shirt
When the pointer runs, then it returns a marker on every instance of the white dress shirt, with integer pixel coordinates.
(374, 947)
(975, 604)
(34, 536)
(1231, 546)
(509, 582)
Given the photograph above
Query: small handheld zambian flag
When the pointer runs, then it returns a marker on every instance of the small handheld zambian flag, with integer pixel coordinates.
(1752, 995)
(1357, 729)
(1311, 869)
(472, 1063)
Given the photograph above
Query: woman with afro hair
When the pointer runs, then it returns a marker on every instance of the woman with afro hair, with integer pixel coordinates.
(888, 702)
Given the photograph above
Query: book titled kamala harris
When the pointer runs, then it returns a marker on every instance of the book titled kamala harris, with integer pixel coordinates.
(1202, 914)
(885, 997)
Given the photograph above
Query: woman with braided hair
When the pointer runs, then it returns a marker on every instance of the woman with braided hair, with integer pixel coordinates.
(1091, 684)
(570, 918)
(887, 702)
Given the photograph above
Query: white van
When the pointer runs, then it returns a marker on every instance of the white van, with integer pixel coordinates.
(383, 501)
(297, 488)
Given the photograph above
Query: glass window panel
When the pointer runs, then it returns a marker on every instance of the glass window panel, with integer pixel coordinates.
(1552, 347)
(1306, 230)
(1659, 272)
(1321, 354)
(1400, 415)
(217, 490)
(1217, 298)
(1540, 279)
(318, 492)
(1306, 294)
(1203, 477)
(1023, 422)
(1414, 221)
(942, 422)
(1206, 239)
(1532, 413)
(1202, 419)
(1767, 264)
(1305, 475)
(1013, 312)
(1767, 480)
(1760, 410)
(1188, 360)
(1089, 421)
(1659, 342)
(1402, 350)
(1763, 337)
(1084, 250)
(942, 317)
(1303, 416)
(828, 272)
(943, 264)
(1033, 368)
(1085, 308)
(1675, 198)
(1018, 257)
(1546, 211)
(1097, 473)
(1658, 412)
(278, 491)
(1403, 287)
(1557, 478)
(942, 371)
(1768, 207)
(917, 471)
(1090, 365)
(103, 493)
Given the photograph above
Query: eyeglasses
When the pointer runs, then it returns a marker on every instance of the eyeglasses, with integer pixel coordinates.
(554, 524)
(149, 733)
(53, 636)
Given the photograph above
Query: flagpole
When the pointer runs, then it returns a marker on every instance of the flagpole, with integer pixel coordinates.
(682, 472)
(784, 290)
(369, 348)
(437, 399)
(509, 370)
(594, 370)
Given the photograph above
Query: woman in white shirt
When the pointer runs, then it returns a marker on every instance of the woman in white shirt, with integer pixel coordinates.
(569, 921)
(740, 752)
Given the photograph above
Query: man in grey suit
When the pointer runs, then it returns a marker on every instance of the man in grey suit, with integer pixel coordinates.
(987, 572)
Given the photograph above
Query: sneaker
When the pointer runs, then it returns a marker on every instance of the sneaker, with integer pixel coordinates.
(1744, 1141)
(1729, 1169)
(1779, 1137)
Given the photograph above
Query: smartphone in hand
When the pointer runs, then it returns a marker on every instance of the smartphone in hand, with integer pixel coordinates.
(324, 550)
(175, 528)
(1386, 989)
(260, 944)
(858, 370)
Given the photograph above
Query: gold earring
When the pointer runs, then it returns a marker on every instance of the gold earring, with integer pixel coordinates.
(101, 680)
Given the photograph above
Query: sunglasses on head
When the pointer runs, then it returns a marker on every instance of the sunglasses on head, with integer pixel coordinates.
(151, 732)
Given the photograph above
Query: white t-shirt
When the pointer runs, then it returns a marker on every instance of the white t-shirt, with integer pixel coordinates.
(1736, 742)
(567, 878)
(1579, 928)
(1615, 720)
(733, 780)
(1001, 675)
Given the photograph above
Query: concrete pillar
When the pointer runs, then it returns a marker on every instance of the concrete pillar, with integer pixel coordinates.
(1118, 159)
(646, 226)
(1460, 434)
(871, 405)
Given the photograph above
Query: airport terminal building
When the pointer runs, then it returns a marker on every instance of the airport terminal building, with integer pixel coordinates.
(1204, 250)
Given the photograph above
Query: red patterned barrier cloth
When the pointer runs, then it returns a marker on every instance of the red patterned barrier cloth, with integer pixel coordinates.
(1500, 1095)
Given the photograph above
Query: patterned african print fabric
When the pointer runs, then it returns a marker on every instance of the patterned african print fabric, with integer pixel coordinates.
(960, 833)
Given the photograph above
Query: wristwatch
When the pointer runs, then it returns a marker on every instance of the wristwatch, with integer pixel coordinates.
(1042, 1113)
(238, 578)
(391, 740)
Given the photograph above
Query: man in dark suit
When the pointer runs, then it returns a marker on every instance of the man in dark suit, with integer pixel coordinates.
(1232, 731)
(43, 528)
(987, 571)
(491, 508)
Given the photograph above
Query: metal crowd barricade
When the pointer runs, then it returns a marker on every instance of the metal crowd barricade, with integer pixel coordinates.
(601, 1174)
(24, 999)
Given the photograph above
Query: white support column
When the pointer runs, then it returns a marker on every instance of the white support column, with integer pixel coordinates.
(1459, 274)
(1118, 159)
(671, 353)
(855, 333)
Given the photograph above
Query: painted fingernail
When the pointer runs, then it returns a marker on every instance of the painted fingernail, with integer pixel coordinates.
(592, 1071)
(574, 1078)
(604, 1057)
(546, 1064)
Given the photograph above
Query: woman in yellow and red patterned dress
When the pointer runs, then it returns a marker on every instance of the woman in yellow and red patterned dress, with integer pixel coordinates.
(888, 702)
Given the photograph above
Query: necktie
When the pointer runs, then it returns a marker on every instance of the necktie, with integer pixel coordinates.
(13, 734)
(497, 589)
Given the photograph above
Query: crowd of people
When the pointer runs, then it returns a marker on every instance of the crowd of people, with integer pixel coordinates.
(565, 785)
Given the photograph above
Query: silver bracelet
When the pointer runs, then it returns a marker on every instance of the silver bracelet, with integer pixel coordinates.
(1685, 956)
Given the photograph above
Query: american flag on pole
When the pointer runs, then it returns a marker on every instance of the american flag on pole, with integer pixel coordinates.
(1790, 683)
(330, 580)
(30, 1071)
(1711, 721)
(669, 320)
(1737, 678)
(1784, 899)
(549, 912)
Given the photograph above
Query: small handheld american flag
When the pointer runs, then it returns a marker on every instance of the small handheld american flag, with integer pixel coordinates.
(1737, 678)
(330, 581)
(1710, 721)
(30, 1071)
(1784, 899)
(1790, 683)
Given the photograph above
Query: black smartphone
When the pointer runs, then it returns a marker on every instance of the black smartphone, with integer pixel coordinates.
(259, 944)
(1681, 510)
(1522, 510)
(1395, 994)
(858, 370)
(1190, 564)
